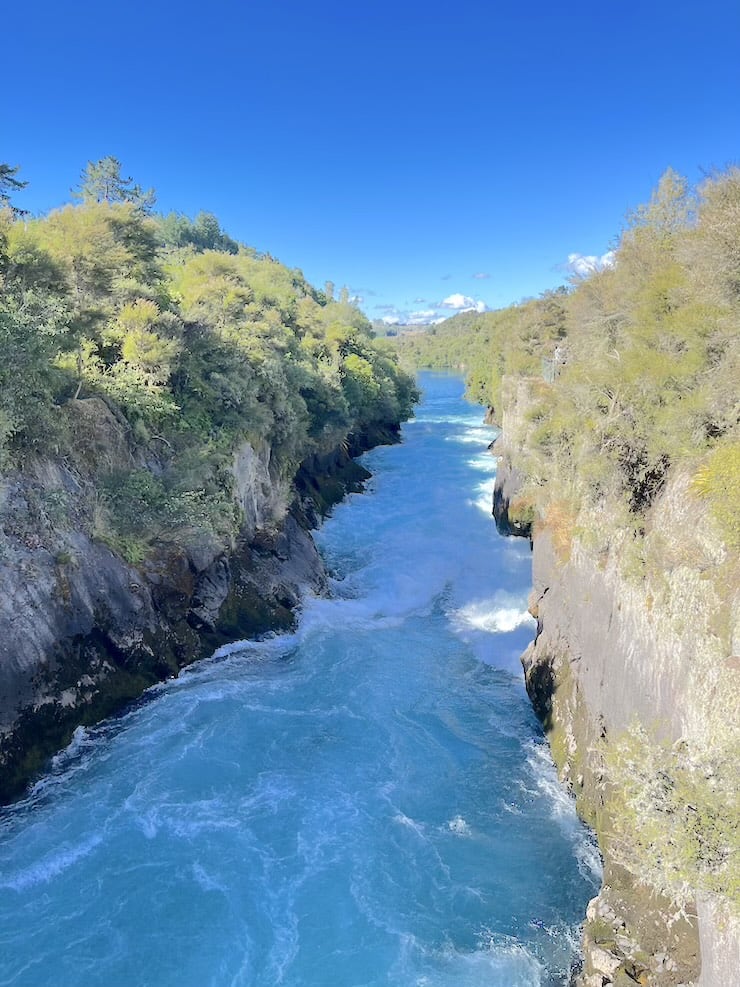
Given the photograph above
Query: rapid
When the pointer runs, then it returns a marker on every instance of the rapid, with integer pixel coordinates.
(368, 801)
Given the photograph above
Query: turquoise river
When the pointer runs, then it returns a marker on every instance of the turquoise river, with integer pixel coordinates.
(368, 801)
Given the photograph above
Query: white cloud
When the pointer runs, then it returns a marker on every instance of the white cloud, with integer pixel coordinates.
(481, 276)
(425, 317)
(457, 301)
(432, 314)
(463, 303)
(582, 265)
(420, 317)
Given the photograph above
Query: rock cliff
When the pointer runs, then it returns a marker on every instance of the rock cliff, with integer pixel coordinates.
(83, 631)
(632, 675)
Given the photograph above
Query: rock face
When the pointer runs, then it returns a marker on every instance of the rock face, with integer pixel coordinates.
(616, 651)
(596, 666)
(83, 632)
(508, 485)
(509, 509)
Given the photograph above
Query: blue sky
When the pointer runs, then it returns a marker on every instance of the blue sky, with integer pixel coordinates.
(412, 151)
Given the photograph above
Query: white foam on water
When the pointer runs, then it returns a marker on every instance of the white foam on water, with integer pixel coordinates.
(543, 773)
(512, 807)
(499, 961)
(285, 947)
(188, 821)
(472, 421)
(467, 438)
(85, 750)
(80, 740)
(207, 882)
(565, 946)
(588, 858)
(502, 620)
(384, 609)
(459, 827)
(484, 496)
(562, 810)
(499, 614)
(310, 713)
(52, 865)
(404, 820)
(271, 645)
(484, 463)
(481, 435)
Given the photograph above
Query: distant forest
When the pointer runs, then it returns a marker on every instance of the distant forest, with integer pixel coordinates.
(639, 363)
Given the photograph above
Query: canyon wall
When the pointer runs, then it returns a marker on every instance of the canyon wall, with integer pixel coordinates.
(633, 676)
(83, 631)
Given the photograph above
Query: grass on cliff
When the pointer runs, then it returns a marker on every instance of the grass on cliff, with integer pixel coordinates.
(675, 814)
(718, 481)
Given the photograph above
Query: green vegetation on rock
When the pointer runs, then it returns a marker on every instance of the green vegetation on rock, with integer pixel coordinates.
(718, 480)
(638, 363)
(193, 343)
(675, 818)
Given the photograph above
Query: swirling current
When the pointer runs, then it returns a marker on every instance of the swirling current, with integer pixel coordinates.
(366, 802)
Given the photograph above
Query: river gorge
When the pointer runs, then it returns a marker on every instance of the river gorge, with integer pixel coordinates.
(369, 800)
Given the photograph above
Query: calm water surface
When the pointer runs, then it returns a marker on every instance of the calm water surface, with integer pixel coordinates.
(366, 802)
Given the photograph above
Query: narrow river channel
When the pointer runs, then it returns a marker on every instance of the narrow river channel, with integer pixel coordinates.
(366, 802)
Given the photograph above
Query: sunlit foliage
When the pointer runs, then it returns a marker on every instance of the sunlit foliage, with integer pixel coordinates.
(643, 356)
(194, 341)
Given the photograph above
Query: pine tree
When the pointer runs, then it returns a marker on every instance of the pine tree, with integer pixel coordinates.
(9, 183)
(101, 181)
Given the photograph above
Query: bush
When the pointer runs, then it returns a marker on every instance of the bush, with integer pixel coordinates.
(718, 481)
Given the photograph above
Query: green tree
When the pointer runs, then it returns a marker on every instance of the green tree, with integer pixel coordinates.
(9, 183)
(202, 233)
(101, 181)
(142, 346)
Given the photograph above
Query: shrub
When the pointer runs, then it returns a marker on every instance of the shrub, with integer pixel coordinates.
(718, 482)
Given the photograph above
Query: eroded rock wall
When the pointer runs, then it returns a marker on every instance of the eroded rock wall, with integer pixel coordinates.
(83, 632)
(629, 637)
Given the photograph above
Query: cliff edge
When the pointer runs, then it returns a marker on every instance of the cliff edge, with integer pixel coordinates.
(633, 673)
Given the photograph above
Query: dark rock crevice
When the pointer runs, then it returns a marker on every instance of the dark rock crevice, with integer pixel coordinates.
(510, 518)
